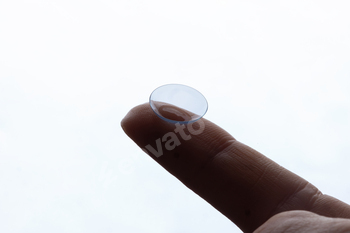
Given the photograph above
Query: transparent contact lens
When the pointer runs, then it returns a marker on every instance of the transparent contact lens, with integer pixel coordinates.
(178, 103)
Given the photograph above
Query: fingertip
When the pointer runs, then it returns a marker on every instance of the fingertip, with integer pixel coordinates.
(132, 113)
(133, 119)
(142, 125)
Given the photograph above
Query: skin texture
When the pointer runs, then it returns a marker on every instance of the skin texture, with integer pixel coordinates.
(254, 192)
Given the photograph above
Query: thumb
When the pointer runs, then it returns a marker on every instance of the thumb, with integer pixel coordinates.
(303, 221)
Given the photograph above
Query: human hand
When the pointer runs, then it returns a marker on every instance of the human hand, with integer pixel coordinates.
(251, 190)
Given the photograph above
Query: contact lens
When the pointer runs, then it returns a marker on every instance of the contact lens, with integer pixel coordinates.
(178, 103)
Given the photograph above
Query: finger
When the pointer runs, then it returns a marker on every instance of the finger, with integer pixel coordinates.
(240, 182)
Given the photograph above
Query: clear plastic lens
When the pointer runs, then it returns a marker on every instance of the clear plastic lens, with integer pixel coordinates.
(178, 103)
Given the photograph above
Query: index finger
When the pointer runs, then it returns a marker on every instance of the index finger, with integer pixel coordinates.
(240, 182)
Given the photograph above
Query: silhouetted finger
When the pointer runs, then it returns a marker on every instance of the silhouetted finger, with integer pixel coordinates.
(240, 182)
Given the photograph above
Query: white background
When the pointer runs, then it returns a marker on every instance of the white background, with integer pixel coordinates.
(276, 75)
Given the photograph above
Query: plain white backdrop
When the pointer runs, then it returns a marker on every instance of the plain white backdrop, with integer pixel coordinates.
(276, 75)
